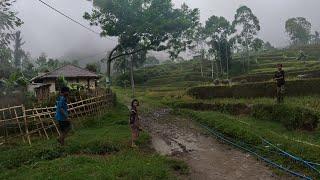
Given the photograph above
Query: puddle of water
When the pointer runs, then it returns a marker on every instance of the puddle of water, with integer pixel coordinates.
(161, 146)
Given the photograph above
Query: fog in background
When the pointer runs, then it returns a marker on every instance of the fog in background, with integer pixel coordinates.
(47, 31)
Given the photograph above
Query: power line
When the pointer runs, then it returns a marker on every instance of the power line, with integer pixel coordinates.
(68, 17)
(71, 19)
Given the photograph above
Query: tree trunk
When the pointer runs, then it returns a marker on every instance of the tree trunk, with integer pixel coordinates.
(212, 72)
(201, 68)
(227, 62)
(109, 61)
(217, 69)
(131, 77)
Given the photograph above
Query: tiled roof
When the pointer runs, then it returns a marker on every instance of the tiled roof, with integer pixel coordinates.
(68, 71)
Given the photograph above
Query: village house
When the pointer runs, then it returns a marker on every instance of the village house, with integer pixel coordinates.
(45, 84)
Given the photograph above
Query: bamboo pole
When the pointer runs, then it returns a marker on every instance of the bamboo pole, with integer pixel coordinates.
(53, 122)
(35, 120)
(5, 125)
(19, 125)
(41, 122)
(26, 124)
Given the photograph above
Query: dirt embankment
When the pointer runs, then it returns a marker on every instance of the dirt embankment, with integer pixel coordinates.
(207, 157)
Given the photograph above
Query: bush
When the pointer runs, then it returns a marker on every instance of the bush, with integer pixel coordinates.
(292, 118)
(253, 90)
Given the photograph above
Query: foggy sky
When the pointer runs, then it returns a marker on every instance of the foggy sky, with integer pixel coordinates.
(46, 31)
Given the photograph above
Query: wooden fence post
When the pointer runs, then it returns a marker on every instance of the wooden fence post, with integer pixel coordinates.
(44, 129)
(35, 120)
(52, 120)
(19, 125)
(26, 124)
(5, 125)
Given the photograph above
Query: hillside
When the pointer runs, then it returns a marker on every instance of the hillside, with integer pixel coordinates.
(262, 67)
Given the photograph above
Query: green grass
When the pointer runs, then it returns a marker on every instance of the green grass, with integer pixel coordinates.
(250, 130)
(99, 150)
(243, 128)
(124, 165)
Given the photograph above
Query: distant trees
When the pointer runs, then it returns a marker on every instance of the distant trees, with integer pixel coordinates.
(299, 30)
(199, 45)
(268, 46)
(249, 26)
(218, 31)
(151, 60)
(315, 38)
(145, 25)
(93, 67)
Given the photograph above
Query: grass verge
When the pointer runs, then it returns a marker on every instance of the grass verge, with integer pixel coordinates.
(99, 150)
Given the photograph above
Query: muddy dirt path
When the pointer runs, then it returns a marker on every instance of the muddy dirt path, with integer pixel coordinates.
(206, 156)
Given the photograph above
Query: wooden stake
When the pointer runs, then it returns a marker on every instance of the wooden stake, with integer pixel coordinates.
(17, 120)
(44, 129)
(26, 124)
(5, 125)
(35, 120)
(53, 122)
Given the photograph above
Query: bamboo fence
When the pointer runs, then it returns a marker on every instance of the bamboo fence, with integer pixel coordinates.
(19, 122)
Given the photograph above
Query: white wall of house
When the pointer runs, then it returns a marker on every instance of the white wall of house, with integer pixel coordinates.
(52, 83)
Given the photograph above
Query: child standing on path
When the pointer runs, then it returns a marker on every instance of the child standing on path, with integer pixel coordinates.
(134, 122)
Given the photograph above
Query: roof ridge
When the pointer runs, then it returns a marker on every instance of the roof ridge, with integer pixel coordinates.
(68, 70)
(82, 68)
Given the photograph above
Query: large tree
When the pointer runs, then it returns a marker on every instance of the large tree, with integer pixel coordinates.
(18, 52)
(299, 30)
(8, 22)
(316, 38)
(198, 46)
(248, 25)
(218, 31)
(143, 25)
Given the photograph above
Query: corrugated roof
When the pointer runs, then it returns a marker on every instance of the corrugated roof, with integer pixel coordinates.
(68, 71)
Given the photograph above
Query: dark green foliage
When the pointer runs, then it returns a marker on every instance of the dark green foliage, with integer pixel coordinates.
(94, 67)
(252, 90)
(8, 22)
(299, 30)
(61, 82)
(293, 118)
(18, 51)
(152, 60)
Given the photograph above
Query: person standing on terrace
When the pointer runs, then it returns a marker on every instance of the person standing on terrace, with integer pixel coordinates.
(279, 77)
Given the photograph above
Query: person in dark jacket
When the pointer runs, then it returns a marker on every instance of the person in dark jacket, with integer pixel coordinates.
(134, 122)
(62, 114)
(279, 77)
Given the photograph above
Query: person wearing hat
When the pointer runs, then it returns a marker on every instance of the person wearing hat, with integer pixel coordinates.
(62, 114)
(279, 77)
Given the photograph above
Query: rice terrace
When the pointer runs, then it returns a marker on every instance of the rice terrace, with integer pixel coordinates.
(159, 89)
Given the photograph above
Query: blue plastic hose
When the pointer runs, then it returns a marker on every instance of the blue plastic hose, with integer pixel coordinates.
(219, 135)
